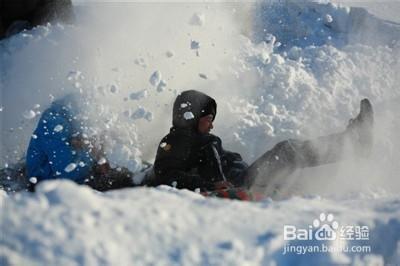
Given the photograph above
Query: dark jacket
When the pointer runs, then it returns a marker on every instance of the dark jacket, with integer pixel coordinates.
(191, 159)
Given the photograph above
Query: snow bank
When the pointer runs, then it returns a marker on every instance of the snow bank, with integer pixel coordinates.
(305, 23)
(66, 224)
(309, 81)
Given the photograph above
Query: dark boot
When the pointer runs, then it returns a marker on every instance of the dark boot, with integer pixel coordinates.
(360, 129)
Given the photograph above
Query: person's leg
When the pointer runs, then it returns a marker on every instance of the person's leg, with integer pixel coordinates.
(289, 155)
(286, 156)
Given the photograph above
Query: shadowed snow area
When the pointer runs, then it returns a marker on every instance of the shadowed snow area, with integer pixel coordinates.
(277, 69)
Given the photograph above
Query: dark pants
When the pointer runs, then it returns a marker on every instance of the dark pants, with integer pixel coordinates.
(287, 156)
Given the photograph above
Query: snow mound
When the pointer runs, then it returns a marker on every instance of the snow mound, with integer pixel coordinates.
(66, 224)
(316, 23)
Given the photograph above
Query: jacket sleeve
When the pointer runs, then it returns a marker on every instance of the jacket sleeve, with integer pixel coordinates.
(172, 164)
(54, 134)
(210, 166)
(231, 165)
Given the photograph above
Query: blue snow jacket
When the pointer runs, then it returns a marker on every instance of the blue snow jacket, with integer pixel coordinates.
(50, 154)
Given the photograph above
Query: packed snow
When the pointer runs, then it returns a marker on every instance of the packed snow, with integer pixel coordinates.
(277, 69)
(66, 224)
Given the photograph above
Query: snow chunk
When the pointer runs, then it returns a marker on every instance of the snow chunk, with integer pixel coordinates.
(113, 88)
(161, 86)
(188, 115)
(101, 161)
(142, 113)
(140, 62)
(148, 116)
(184, 105)
(197, 19)
(82, 164)
(194, 45)
(34, 136)
(74, 75)
(58, 128)
(203, 76)
(163, 144)
(328, 19)
(155, 78)
(169, 54)
(138, 113)
(138, 95)
(29, 114)
(70, 167)
(33, 180)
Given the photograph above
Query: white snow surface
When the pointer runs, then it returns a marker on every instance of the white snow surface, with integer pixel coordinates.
(66, 224)
(299, 78)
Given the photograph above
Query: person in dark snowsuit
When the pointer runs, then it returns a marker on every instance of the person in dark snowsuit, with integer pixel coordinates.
(190, 157)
